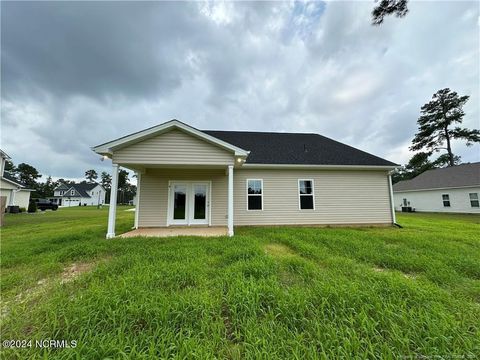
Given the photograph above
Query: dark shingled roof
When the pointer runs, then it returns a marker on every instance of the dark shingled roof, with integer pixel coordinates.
(454, 176)
(62, 187)
(10, 177)
(81, 189)
(296, 149)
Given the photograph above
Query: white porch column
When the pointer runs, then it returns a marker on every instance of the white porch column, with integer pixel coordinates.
(390, 188)
(230, 200)
(113, 202)
(137, 202)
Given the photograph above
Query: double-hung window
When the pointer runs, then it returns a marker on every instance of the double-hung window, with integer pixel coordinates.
(474, 200)
(254, 194)
(305, 193)
(72, 192)
(446, 200)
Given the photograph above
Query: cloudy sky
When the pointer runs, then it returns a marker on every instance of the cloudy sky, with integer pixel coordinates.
(74, 75)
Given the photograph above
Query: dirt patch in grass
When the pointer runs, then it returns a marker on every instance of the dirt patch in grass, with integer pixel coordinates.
(31, 294)
(409, 275)
(405, 275)
(73, 271)
(279, 250)
(287, 278)
(227, 321)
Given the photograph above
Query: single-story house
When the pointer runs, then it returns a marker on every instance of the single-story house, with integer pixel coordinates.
(78, 194)
(16, 193)
(451, 189)
(191, 177)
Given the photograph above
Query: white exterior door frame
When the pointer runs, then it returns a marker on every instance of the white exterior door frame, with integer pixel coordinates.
(189, 186)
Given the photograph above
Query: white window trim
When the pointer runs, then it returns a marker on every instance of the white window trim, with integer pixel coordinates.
(312, 194)
(72, 192)
(261, 195)
(477, 200)
(449, 201)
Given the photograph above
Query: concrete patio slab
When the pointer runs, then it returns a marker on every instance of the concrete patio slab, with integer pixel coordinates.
(178, 231)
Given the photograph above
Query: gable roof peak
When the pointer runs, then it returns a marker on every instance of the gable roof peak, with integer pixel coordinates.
(108, 147)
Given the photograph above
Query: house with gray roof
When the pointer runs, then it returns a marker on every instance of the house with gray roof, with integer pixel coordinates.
(188, 177)
(453, 189)
(78, 194)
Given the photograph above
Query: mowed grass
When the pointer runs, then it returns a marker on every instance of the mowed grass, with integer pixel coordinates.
(272, 293)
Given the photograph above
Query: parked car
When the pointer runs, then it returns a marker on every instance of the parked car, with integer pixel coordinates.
(44, 204)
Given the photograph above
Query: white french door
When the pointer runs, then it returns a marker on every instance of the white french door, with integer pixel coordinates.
(189, 203)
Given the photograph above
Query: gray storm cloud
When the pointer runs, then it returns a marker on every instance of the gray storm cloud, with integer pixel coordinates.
(77, 74)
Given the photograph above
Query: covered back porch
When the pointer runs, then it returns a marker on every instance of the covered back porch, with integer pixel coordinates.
(184, 176)
(178, 200)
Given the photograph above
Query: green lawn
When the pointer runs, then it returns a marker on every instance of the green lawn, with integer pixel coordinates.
(266, 293)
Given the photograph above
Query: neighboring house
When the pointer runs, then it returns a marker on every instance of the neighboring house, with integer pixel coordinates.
(17, 194)
(450, 189)
(225, 178)
(78, 194)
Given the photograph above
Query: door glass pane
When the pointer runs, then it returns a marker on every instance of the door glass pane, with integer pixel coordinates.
(179, 202)
(200, 202)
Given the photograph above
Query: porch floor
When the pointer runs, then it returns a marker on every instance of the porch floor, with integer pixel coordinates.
(178, 231)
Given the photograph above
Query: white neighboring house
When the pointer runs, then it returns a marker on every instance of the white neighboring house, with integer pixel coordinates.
(15, 192)
(453, 189)
(78, 194)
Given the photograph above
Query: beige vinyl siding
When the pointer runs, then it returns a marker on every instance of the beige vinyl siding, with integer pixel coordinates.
(173, 148)
(154, 194)
(341, 197)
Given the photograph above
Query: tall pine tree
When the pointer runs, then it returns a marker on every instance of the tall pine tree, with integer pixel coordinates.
(435, 125)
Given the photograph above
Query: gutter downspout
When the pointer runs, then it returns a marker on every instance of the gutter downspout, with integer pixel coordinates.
(12, 197)
(392, 205)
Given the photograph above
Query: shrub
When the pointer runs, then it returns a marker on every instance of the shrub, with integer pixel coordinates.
(32, 207)
(22, 209)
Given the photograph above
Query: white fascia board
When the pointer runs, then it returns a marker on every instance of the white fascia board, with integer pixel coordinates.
(4, 155)
(13, 182)
(319, 167)
(107, 148)
(433, 189)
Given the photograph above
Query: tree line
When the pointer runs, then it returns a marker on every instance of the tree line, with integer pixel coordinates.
(126, 190)
(29, 175)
